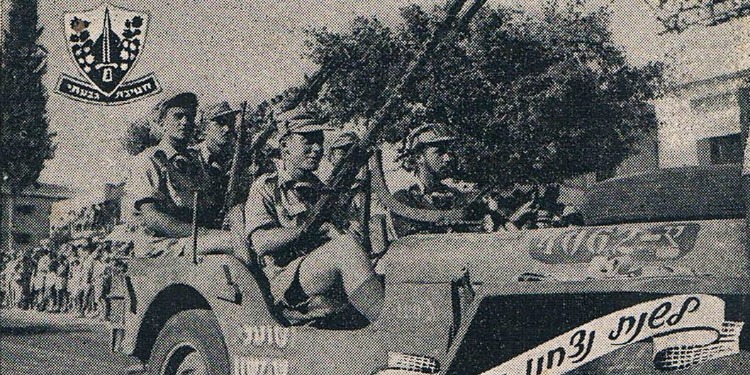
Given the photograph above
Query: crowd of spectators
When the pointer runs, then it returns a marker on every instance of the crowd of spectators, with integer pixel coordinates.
(72, 277)
(95, 218)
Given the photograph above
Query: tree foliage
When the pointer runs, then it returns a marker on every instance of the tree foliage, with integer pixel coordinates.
(26, 140)
(533, 97)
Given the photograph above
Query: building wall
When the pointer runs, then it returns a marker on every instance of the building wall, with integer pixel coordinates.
(699, 119)
(30, 221)
(6, 241)
(645, 157)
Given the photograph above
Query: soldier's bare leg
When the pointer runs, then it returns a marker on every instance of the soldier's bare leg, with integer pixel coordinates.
(343, 261)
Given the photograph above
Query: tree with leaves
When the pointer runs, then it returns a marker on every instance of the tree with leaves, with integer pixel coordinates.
(533, 98)
(26, 140)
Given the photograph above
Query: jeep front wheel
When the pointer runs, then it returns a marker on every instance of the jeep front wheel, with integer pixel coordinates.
(190, 343)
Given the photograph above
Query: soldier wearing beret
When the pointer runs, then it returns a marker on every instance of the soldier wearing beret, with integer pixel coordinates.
(159, 191)
(302, 271)
(426, 153)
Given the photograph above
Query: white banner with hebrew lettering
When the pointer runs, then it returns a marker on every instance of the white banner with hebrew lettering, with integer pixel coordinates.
(686, 330)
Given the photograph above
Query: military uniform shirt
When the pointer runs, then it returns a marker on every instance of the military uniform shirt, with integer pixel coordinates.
(276, 200)
(167, 178)
(217, 175)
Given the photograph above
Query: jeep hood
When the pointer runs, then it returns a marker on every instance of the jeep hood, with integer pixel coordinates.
(711, 247)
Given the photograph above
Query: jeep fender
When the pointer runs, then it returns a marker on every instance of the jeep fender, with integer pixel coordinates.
(160, 288)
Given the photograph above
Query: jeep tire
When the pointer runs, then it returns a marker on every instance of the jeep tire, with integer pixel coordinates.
(190, 343)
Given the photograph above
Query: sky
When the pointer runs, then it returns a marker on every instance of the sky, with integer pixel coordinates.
(252, 50)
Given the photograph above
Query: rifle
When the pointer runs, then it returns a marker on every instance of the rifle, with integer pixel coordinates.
(231, 195)
(308, 91)
(345, 172)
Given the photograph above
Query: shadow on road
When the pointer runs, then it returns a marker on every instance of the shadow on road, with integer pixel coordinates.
(42, 329)
(17, 322)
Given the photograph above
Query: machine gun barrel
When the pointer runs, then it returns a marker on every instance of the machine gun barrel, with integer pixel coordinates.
(345, 172)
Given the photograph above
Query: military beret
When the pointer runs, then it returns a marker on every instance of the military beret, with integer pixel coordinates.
(182, 100)
(299, 121)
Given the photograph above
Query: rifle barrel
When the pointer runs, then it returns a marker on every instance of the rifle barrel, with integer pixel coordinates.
(345, 172)
(231, 195)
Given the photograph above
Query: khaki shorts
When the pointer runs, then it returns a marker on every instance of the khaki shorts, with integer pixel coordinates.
(73, 284)
(37, 283)
(50, 280)
(61, 283)
(83, 288)
(284, 281)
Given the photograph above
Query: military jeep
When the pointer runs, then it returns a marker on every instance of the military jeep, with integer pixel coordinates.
(658, 280)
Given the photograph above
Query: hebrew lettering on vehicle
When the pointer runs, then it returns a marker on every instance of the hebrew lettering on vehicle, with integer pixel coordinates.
(580, 245)
(374, 187)
(687, 330)
(267, 335)
(260, 366)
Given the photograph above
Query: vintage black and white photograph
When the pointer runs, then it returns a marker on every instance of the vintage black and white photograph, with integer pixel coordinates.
(375, 187)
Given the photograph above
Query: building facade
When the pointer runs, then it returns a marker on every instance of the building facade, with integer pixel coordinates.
(702, 121)
(91, 213)
(25, 217)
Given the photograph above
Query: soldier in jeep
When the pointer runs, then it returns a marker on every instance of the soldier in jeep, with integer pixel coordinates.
(303, 271)
(352, 205)
(159, 192)
(215, 153)
(426, 153)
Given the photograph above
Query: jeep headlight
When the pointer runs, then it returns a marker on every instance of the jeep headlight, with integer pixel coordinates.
(410, 364)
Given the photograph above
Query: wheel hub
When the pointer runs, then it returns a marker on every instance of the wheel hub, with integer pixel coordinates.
(184, 359)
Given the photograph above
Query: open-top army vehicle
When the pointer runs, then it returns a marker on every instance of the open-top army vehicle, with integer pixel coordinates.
(658, 279)
(661, 284)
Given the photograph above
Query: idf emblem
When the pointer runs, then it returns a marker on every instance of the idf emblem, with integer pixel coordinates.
(105, 44)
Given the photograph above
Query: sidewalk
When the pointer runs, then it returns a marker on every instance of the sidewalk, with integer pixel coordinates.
(40, 343)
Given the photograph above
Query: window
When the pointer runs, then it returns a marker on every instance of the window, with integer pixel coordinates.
(720, 150)
(725, 150)
(714, 103)
(25, 209)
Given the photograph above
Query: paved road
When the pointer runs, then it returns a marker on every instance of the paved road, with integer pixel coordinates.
(37, 343)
